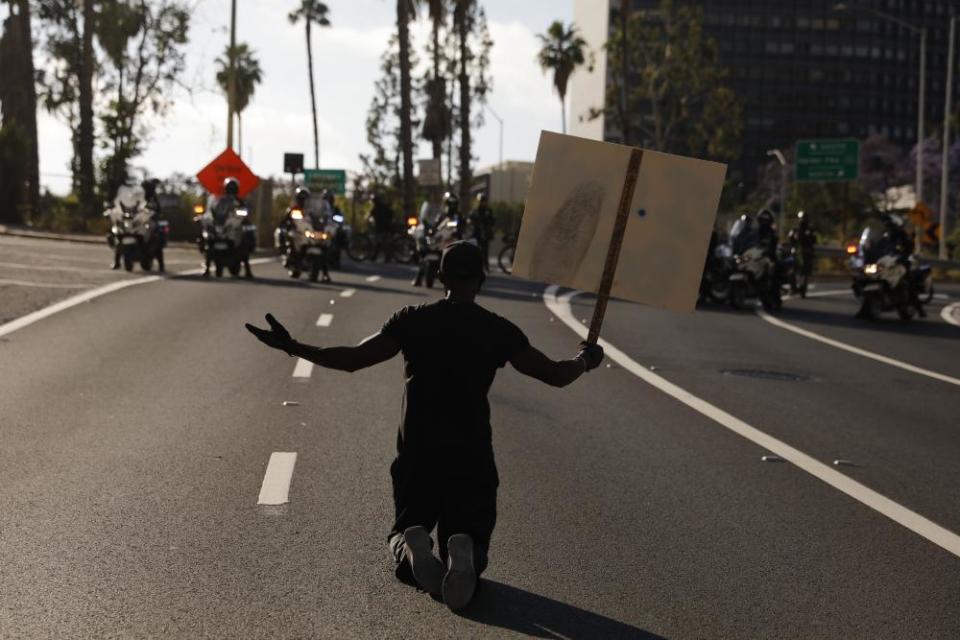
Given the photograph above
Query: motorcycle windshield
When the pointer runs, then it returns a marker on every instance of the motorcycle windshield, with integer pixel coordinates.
(742, 236)
(130, 197)
(871, 246)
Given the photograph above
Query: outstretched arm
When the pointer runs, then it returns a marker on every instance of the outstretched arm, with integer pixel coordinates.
(532, 362)
(374, 350)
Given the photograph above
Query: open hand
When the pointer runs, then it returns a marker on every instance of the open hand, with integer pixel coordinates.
(276, 336)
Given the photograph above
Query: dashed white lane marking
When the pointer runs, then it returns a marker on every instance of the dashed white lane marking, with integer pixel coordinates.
(80, 298)
(303, 369)
(275, 489)
(856, 350)
(347, 293)
(372, 278)
(951, 313)
(325, 320)
(43, 285)
(913, 521)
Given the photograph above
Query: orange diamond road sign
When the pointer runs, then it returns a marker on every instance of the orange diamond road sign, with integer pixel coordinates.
(227, 165)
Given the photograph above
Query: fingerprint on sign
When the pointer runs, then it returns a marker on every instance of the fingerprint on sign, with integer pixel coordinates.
(569, 234)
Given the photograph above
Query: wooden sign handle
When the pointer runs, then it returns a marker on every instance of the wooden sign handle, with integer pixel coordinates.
(616, 242)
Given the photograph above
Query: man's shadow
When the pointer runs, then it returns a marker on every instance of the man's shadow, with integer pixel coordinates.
(501, 605)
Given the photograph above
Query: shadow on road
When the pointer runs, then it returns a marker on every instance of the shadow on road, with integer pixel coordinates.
(333, 288)
(500, 605)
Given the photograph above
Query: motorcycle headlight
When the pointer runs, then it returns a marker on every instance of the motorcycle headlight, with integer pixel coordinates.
(871, 269)
(310, 234)
(324, 236)
(242, 213)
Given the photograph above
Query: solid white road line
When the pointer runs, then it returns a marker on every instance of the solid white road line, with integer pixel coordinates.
(73, 301)
(928, 529)
(372, 278)
(325, 320)
(347, 293)
(275, 489)
(86, 296)
(34, 267)
(303, 369)
(856, 350)
(951, 313)
(43, 285)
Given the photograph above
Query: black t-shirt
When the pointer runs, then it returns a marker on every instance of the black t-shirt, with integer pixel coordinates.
(451, 351)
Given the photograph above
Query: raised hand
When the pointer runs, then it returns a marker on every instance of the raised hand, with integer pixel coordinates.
(276, 336)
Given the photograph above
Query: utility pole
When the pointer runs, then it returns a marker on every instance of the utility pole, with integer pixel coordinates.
(232, 84)
(945, 168)
(500, 122)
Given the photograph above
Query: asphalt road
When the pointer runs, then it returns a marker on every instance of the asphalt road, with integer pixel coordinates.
(137, 429)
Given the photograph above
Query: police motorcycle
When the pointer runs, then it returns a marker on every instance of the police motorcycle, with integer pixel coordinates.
(227, 236)
(136, 234)
(754, 274)
(336, 227)
(309, 239)
(884, 280)
(432, 233)
(715, 281)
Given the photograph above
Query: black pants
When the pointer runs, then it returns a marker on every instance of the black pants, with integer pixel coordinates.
(453, 504)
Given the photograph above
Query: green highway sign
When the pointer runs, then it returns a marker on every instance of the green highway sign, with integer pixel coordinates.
(827, 160)
(319, 179)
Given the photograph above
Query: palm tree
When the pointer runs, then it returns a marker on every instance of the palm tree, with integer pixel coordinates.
(249, 75)
(438, 128)
(563, 51)
(406, 11)
(463, 23)
(312, 12)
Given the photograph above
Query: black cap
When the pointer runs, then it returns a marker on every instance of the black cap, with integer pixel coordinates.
(462, 260)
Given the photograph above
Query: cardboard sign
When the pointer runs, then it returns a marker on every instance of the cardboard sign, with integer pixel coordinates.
(568, 222)
(227, 165)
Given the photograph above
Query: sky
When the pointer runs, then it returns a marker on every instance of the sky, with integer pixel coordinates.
(346, 64)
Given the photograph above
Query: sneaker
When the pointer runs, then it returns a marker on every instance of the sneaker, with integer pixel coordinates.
(461, 579)
(418, 549)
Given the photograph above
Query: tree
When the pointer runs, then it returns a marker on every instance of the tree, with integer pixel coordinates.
(145, 43)
(678, 101)
(472, 63)
(18, 96)
(406, 11)
(563, 51)
(436, 125)
(312, 12)
(248, 76)
(383, 167)
(67, 84)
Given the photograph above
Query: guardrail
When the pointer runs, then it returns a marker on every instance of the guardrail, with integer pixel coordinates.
(828, 251)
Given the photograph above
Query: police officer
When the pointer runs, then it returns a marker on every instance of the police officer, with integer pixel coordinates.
(767, 241)
(152, 201)
(897, 241)
(803, 240)
(444, 474)
(383, 225)
(482, 223)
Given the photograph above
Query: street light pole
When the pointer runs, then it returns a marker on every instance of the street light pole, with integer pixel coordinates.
(783, 185)
(499, 120)
(945, 165)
